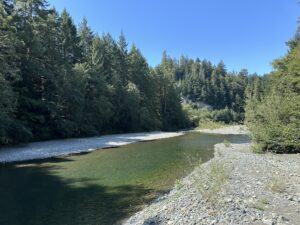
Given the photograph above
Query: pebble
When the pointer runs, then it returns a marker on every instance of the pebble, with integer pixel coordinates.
(268, 221)
(241, 200)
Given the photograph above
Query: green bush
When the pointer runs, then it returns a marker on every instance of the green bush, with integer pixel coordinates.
(226, 115)
(203, 116)
(196, 115)
(275, 122)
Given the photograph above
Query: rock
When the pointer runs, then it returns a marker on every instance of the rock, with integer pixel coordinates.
(229, 199)
(243, 200)
(274, 216)
(213, 222)
(253, 218)
(290, 197)
(268, 221)
(281, 219)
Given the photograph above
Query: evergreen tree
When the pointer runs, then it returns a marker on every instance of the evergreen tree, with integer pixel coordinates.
(69, 39)
(274, 119)
(57, 82)
(85, 39)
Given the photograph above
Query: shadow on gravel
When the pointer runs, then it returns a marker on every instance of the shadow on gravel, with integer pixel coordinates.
(153, 221)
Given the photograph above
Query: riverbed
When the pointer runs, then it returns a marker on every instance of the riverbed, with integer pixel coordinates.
(100, 187)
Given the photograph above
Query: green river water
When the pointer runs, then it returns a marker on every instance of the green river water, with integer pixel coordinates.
(101, 187)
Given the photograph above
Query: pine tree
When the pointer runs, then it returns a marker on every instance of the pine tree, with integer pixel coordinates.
(274, 118)
(85, 39)
(69, 40)
(11, 130)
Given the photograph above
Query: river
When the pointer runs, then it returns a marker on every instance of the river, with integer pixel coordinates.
(100, 187)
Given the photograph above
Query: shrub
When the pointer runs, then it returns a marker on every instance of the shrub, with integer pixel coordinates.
(210, 183)
(227, 143)
(211, 125)
(202, 116)
(275, 122)
(277, 184)
(226, 115)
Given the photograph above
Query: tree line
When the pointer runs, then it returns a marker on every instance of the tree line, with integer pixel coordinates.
(200, 81)
(58, 80)
(274, 116)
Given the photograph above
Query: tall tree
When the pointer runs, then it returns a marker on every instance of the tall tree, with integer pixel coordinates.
(274, 119)
(85, 39)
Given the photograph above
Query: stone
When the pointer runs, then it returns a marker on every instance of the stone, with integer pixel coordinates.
(229, 199)
(282, 219)
(268, 221)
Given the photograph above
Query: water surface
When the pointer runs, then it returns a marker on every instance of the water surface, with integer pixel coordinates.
(102, 187)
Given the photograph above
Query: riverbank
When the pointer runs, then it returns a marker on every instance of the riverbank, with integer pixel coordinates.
(236, 187)
(236, 129)
(54, 148)
(64, 147)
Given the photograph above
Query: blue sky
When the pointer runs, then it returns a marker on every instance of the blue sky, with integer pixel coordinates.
(243, 33)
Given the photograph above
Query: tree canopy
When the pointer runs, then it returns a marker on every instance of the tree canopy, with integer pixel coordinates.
(274, 116)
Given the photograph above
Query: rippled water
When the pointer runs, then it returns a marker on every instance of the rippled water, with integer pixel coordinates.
(102, 187)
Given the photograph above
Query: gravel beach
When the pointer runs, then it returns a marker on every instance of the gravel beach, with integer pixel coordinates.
(53, 148)
(236, 187)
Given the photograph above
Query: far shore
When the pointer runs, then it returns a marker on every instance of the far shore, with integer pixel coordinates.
(235, 129)
(56, 148)
(65, 147)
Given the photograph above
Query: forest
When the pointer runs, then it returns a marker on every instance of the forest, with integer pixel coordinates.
(60, 80)
(273, 117)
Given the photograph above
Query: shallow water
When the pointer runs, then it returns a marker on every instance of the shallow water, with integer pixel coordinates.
(102, 187)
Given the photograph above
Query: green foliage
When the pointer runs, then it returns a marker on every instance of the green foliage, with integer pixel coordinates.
(226, 115)
(207, 118)
(178, 184)
(227, 143)
(257, 148)
(202, 82)
(60, 81)
(211, 125)
(210, 183)
(57, 82)
(274, 118)
(197, 116)
(11, 129)
(261, 205)
(275, 122)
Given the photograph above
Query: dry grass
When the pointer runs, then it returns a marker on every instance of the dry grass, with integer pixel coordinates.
(211, 125)
(261, 205)
(277, 184)
(227, 143)
(257, 148)
(178, 184)
(211, 182)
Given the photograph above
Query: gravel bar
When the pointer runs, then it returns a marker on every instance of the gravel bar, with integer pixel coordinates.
(54, 148)
(260, 189)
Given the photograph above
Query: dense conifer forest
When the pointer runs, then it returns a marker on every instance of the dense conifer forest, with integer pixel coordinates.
(274, 116)
(60, 80)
